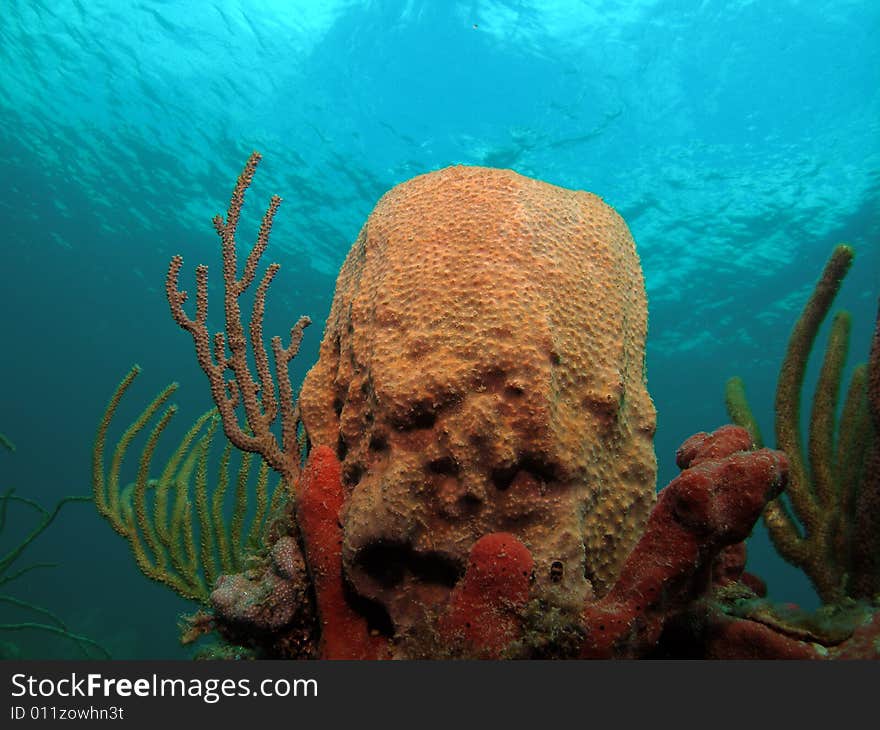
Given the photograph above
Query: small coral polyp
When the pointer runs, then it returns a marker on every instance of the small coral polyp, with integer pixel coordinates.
(482, 371)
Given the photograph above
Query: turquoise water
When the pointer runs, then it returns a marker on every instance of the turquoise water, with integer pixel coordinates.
(740, 141)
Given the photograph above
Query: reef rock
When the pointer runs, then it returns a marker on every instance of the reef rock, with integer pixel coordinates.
(482, 371)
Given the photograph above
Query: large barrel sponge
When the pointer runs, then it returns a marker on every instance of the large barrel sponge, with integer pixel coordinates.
(483, 370)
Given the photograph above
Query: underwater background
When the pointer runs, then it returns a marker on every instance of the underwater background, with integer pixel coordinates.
(739, 140)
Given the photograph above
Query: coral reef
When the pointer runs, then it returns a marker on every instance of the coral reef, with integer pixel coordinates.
(680, 593)
(831, 531)
(470, 463)
(482, 370)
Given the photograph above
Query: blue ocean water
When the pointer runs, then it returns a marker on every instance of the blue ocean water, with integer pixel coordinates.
(739, 140)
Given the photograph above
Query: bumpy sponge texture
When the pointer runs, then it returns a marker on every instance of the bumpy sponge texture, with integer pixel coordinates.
(482, 370)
